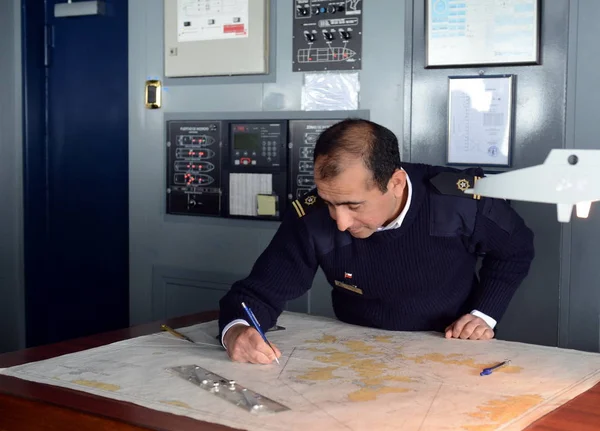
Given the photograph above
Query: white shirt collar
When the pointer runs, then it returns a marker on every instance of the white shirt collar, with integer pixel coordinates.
(398, 221)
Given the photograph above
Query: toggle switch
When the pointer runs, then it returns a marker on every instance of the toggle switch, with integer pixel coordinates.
(345, 34)
(303, 11)
(309, 37)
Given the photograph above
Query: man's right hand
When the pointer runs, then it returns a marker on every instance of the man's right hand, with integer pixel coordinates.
(244, 344)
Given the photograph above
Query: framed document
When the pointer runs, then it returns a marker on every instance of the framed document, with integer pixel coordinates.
(480, 120)
(481, 32)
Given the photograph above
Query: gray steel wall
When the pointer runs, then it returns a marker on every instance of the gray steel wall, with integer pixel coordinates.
(556, 107)
(580, 288)
(11, 214)
(182, 264)
(173, 269)
(539, 127)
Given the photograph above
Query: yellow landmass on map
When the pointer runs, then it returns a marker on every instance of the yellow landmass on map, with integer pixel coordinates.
(502, 411)
(458, 359)
(382, 379)
(368, 394)
(325, 339)
(361, 357)
(383, 338)
(177, 404)
(323, 349)
(97, 385)
(358, 346)
(316, 374)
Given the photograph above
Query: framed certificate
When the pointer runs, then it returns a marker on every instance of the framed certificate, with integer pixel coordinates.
(481, 32)
(480, 120)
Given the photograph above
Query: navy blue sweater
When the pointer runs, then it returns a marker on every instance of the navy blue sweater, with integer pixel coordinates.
(420, 276)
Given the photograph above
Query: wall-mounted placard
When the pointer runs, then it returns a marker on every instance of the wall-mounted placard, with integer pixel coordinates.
(480, 120)
(481, 32)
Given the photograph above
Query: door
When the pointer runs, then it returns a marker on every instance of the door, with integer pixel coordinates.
(76, 163)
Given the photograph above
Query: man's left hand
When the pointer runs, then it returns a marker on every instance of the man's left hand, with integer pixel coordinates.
(470, 327)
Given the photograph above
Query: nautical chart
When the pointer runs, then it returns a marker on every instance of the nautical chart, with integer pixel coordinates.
(336, 376)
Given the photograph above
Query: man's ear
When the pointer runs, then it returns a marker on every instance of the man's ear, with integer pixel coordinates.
(398, 182)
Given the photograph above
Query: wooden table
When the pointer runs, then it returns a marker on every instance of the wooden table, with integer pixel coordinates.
(28, 405)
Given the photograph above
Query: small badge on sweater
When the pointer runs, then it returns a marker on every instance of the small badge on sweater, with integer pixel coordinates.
(306, 203)
(455, 184)
(347, 275)
(310, 200)
(349, 287)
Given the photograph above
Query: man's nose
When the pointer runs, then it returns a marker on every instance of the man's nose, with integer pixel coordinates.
(343, 218)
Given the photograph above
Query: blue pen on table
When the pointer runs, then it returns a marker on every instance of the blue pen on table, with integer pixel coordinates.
(257, 326)
(487, 371)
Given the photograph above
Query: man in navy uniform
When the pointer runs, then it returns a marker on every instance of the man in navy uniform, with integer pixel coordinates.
(398, 242)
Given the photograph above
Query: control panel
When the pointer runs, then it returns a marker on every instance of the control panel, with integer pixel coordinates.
(327, 35)
(239, 168)
(257, 144)
(303, 137)
(257, 168)
(194, 167)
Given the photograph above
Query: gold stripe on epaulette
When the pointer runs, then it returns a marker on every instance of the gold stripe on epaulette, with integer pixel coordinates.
(298, 208)
(475, 181)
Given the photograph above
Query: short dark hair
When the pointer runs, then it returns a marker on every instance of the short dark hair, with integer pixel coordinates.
(376, 145)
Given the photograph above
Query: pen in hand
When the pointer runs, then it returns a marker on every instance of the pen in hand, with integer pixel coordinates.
(257, 327)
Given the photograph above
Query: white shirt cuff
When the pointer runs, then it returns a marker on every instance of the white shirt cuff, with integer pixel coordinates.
(487, 319)
(235, 322)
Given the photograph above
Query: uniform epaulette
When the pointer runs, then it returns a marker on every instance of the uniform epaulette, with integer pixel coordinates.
(455, 183)
(307, 203)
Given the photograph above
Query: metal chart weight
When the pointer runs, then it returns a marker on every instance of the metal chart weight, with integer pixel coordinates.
(229, 390)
